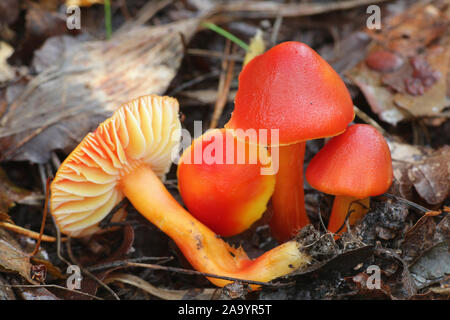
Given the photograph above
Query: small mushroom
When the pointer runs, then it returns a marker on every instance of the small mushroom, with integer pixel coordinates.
(226, 188)
(352, 166)
(127, 155)
(292, 89)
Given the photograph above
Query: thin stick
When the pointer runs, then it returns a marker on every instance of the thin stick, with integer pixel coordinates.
(58, 233)
(49, 286)
(44, 216)
(224, 87)
(210, 275)
(123, 263)
(405, 201)
(365, 117)
(28, 233)
(214, 54)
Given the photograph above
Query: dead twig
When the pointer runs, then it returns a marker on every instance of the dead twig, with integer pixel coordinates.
(28, 233)
(270, 9)
(215, 54)
(123, 263)
(365, 117)
(44, 216)
(224, 84)
(49, 286)
(210, 275)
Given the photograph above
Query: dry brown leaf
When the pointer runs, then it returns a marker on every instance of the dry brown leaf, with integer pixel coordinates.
(9, 194)
(422, 236)
(9, 11)
(40, 24)
(405, 72)
(427, 170)
(12, 257)
(166, 294)
(90, 81)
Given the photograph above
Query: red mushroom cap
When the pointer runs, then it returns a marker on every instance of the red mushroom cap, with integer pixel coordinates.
(356, 163)
(225, 189)
(293, 89)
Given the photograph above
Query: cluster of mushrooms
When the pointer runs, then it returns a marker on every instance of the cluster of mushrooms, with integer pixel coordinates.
(289, 88)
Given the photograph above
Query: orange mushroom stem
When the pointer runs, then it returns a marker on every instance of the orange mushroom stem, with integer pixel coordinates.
(352, 166)
(288, 198)
(127, 156)
(347, 206)
(201, 246)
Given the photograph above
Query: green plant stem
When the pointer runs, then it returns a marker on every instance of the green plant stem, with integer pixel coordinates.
(225, 34)
(108, 26)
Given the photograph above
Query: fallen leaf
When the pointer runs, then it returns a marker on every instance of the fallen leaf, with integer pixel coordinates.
(425, 169)
(10, 194)
(433, 264)
(9, 11)
(405, 72)
(165, 294)
(40, 24)
(91, 80)
(424, 235)
(12, 257)
(6, 292)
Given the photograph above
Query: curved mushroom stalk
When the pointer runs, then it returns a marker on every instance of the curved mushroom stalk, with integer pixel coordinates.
(126, 156)
(202, 248)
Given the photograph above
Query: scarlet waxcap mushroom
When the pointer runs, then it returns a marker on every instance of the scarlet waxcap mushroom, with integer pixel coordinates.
(354, 165)
(292, 89)
(225, 189)
(127, 156)
(87, 185)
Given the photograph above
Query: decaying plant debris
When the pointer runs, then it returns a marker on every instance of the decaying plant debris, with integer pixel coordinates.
(56, 85)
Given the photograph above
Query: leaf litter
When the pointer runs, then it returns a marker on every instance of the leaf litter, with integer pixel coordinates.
(70, 83)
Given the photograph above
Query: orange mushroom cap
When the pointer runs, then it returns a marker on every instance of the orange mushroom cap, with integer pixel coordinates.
(356, 163)
(225, 189)
(293, 89)
(86, 186)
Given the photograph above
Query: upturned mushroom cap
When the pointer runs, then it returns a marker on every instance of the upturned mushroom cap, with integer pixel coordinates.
(293, 89)
(87, 184)
(356, 163)
(221, 182)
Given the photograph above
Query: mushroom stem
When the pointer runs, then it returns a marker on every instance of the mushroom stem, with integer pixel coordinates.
(289, 214)
(203, 248)
(343, 205)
